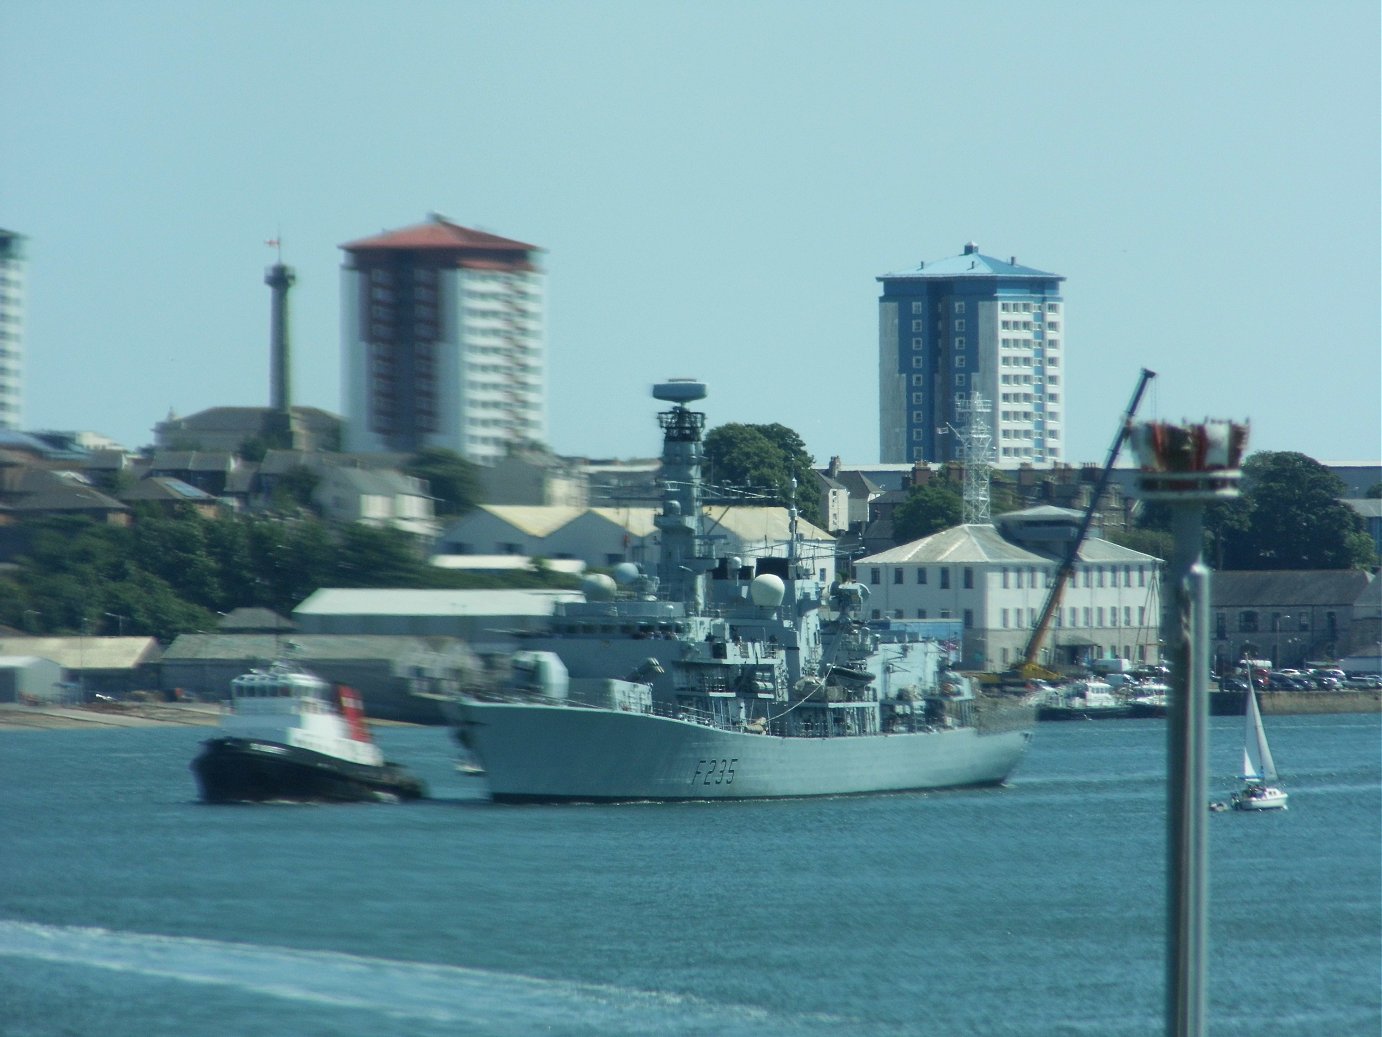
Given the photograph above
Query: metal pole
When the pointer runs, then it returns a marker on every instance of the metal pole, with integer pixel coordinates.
(1187, 790)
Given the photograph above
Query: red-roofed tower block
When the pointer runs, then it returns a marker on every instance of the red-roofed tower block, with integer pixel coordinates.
(443, 342)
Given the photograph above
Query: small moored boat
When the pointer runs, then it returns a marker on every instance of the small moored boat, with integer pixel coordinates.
(288, 735)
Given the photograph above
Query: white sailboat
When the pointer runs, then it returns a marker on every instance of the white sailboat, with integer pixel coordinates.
(1259, 769)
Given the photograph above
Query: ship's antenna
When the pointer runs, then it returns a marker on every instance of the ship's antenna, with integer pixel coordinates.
(794, 533)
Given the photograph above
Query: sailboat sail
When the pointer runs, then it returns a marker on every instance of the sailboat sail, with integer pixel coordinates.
(1257, 756)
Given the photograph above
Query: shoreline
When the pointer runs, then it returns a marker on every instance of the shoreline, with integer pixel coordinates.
(105, 715)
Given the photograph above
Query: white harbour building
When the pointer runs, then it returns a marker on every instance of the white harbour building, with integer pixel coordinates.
(995, 579)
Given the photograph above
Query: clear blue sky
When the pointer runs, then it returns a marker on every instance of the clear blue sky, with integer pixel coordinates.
(716, 185)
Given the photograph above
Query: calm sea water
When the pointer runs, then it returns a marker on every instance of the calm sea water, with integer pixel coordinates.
(127, 908)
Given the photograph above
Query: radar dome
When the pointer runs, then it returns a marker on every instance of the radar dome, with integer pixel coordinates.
(598, 587)
(767, 590)
(625, 573)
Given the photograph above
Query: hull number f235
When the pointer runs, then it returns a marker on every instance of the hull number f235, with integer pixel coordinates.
(715, 772)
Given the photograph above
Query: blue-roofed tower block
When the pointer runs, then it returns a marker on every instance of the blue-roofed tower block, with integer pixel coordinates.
(971, 324)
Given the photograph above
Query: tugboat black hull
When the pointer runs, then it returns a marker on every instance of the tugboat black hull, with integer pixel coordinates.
(244, 770)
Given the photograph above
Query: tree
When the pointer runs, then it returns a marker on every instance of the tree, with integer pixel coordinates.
(452, 480)
(371, 556)
(1291, 516)
(928, 509)
(764, 458)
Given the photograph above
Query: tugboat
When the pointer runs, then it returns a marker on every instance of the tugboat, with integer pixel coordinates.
(287, 736)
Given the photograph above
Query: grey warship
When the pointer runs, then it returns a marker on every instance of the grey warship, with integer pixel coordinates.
(725, 678)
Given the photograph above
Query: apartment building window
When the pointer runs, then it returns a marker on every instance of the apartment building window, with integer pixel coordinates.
(959, 325)
(1247, 622)
(921, 613)
(1004, 571)
(921, 575)
(969, 618)
(918, 307)
(1088, 615)
(969, 578)
(959, 307)
(945, 578)
(875, 576)
(1127, 615)
(1003, 618)
(897, 575)
(918, 325)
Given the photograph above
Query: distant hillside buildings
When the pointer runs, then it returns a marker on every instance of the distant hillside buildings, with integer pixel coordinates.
(442, 342)
(963, 325)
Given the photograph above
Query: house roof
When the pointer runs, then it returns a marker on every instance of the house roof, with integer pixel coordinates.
(349, 601)
(68, 496)
(441, 234)
(969, 543)
(86, 653)
(379, 482)
(969, 263)
(537, 520)
(249, 420)
(245, 620)
(983, 543)
(256, 649)
(760, 524)
(192, 461)
(1290, 588)
(166, 488)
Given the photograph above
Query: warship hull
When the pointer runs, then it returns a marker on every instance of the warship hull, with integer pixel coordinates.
(537, 752)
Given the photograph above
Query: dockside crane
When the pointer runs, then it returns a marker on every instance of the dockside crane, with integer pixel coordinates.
(1029, 666)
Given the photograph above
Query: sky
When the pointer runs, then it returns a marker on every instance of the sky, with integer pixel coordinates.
(716, 187)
